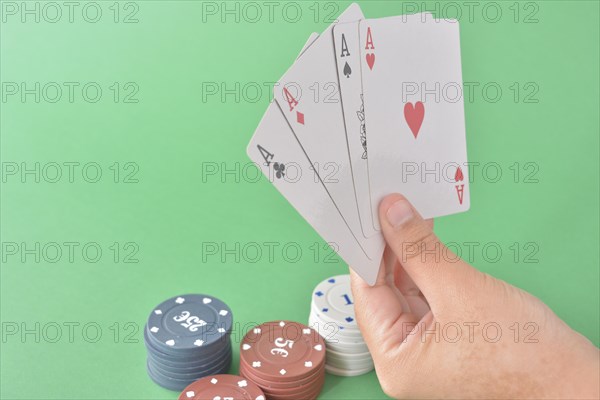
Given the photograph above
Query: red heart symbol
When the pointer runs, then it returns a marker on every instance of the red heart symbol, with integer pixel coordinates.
(458, 176)
(414, 116)
(370, 60)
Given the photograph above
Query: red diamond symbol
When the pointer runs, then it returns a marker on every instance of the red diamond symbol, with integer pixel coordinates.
(300, 117)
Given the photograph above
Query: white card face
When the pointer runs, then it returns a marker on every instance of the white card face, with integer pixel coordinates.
(348, 58)
(413, 93)
(275, 150)
(309, 98)
(311, 39)
(347, 55)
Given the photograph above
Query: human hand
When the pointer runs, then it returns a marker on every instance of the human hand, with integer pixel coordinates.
(438, 328)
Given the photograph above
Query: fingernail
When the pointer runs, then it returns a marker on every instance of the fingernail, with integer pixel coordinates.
(399, 213)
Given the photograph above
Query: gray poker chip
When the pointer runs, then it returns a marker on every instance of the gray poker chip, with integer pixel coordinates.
(171, 384)
(187, 338)
(190, 373)
(206, 352)
(180, 384)
(152, 345)
(195, 364)
(189, 323)
(190, 367)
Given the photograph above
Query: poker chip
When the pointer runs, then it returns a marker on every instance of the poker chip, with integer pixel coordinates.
(189, 323)
(285, 359)
(332, 301)
(187, 338)
(345, 372)
(182, 360)
(191, 373)
(332, 315)
(230, 387)
(282, 384)
(347, 348)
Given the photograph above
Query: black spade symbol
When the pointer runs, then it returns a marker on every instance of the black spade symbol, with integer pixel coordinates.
(347, 70)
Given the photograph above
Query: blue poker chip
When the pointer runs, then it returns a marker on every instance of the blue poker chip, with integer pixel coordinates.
(189, 324)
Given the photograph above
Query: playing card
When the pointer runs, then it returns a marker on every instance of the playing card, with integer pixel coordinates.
(347, 55)
(309, 97)
(275, 150)
(317, 209)
(311, 39)
(348, 58)
(412, 87)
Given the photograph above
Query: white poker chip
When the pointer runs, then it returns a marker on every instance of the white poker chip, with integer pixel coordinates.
(332, 334)
(353, 348)
(332, 315)
(328, 321)
(346, 347)
(333, 302)
(350, 365)
(348, 356)
(343, 372)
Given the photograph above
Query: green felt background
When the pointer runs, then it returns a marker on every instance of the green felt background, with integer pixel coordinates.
(163, 205)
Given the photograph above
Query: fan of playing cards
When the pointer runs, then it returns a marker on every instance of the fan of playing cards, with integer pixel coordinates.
(370, 107)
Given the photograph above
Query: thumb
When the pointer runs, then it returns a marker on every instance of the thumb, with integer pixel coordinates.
(438, 272)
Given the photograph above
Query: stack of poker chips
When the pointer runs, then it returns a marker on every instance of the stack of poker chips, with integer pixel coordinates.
(187, 338)
(332, 315)
(222, 387)
(285, 359)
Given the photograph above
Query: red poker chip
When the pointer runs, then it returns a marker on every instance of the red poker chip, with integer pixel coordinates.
(268, 385)
(282, 351)
(231, 387)
(300, 392)
(307, 395)
(307, 390)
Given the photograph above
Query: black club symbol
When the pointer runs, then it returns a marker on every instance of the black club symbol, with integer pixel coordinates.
(279, 168)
